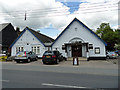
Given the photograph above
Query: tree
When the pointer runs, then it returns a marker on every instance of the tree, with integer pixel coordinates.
(117, 38)
(108, 35)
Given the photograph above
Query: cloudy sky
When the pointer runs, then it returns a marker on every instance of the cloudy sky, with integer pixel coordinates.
(52, 16)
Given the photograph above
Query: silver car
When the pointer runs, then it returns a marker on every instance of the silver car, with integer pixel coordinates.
(25, 56)
(112, 55)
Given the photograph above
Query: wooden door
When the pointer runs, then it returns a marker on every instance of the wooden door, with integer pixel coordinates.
(77, 51)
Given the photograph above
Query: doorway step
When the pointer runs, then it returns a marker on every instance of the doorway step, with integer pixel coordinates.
(79, 58)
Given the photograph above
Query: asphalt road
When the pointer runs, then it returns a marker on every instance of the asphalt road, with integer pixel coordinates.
(40, 79)
(36, 76)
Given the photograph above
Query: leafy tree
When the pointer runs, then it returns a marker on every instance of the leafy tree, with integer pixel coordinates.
(108, 35)
(117, 39)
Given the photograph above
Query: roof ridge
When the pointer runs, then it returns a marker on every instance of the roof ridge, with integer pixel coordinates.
(40, 33)
(3, 25)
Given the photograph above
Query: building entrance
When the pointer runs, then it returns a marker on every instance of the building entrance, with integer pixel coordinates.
(77, 51)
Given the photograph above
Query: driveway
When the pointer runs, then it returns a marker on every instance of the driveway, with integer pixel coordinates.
(109, 63)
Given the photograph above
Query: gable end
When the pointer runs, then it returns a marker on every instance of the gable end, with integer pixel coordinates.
(22, 34)
(75, 19)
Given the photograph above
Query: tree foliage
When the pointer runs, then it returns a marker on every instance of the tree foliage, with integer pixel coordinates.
(110, 36)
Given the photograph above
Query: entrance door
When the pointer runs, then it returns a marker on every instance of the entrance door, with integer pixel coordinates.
(77, 51)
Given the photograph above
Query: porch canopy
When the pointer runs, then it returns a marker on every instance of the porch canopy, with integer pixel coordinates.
(64, 47)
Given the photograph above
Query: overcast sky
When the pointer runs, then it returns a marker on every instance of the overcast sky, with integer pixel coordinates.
(52, 16)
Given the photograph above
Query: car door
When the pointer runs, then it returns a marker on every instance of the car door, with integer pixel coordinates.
(30, 54)
(33, 55)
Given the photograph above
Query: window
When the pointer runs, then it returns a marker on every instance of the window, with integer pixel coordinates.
(97, 50)
(36, 49)
(90, 46)
(63, 47)
(18, 49)
(32, 49)
(22, 49)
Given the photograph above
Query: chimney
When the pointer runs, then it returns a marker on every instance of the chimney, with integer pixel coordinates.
(18, 31)
(38, 31)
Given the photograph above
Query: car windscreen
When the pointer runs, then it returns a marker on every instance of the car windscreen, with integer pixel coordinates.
(112, 52)
(48, 53)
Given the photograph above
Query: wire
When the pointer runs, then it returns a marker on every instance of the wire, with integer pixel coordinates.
(54, 8)
(55, 12)
(40, 16)
(62, 11)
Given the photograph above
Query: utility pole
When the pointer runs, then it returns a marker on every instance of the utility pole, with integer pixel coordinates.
(25, 16)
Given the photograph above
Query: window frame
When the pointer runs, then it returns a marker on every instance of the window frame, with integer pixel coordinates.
(19, 49)
(97, 50)
(35, 49)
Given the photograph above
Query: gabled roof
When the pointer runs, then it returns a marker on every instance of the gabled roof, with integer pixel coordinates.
(75, 19)
(42, 38)
(2, 26)
(8, 34)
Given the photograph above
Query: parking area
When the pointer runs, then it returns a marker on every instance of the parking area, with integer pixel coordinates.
(109, 63)
(97, 67)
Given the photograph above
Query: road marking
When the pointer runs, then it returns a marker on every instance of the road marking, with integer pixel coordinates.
(65, 86)
(4, 80)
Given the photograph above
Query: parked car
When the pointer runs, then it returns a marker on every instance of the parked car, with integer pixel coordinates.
(112, 55)
(10, 58)
(25, 56)
(3, 57)
(118, 52)
(52, 57)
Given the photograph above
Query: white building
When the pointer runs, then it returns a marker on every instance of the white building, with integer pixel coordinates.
(77, 40)
(30, 40)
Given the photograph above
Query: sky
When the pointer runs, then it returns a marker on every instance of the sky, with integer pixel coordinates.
(50, 17)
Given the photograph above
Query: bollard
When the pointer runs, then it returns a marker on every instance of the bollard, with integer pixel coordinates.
(75, 61)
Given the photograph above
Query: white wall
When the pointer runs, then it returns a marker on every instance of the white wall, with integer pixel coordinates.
(82, 33)
(28, 37)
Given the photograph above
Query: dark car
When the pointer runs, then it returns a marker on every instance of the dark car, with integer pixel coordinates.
(52, 57)
(25, 56)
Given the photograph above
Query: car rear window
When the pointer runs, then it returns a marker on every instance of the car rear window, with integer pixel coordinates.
(48, 53)
(20, 53)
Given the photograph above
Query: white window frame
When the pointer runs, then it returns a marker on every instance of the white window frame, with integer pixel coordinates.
(97, 50)
(19, 48)
(35, 49)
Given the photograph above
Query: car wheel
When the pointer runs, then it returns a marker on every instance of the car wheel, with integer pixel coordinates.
(18, 61)
(57, 61)
(44, 62)
(36, 58)
(65, 59)
(108, 57)
(29, 60)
